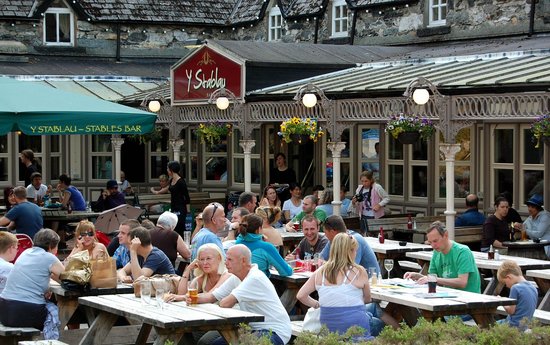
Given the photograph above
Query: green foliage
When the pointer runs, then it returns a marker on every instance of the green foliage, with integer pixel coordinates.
(154, 136)
(331, 338)
(213, 133)
(246, 337)
(169, 342)
(297, 126)
(400, 124)
(540, 128)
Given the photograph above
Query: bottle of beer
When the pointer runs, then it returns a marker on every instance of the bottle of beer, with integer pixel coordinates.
(410, 223)
(381, 238)
(491, 253)
(69, 208)
(512, 239)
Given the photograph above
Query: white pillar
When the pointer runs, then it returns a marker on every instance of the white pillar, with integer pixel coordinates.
(449, 151)
(117, 144)
(247, 146)
(176, 144)
(336, 149)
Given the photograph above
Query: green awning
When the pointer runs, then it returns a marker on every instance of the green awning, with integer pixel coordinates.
(41, 110)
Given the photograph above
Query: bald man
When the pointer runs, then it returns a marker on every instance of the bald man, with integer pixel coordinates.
(471, 217)
(214, 220)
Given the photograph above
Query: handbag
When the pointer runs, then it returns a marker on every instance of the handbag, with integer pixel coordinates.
(103, 272)
(167, 282)
(78, 269)
(312, 320)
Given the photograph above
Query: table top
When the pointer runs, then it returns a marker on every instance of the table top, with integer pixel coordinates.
(56, 288)
(174, 314)
(526, 244)
(292, 235)
(59, 214)
(296, 277)
(391, 246)
(408, 293)
(544, 274)
(483, 262)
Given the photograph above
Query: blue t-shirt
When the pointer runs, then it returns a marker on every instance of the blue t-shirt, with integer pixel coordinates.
(30, 277)
(470, 217)
(77, 200)
(121, 256)
(365, 255)
(526, 295)
(264, 254)
(27, 218)
(157, 262)
(202, 237)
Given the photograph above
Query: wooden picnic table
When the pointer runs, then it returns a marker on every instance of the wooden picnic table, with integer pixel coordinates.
(290, 241)
(67, 300)
(542, 278)
(412, 300)
(170, 322)
(55, 214)
(290, 286)
(528, 249)
(391, 249)
(482, 262)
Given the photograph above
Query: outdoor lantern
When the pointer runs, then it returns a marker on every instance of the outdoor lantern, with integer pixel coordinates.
(222, 103)
(421, 96)
(154, 106)
(309, 100)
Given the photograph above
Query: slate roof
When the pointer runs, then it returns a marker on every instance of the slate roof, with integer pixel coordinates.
(19, 9)
(293, 9)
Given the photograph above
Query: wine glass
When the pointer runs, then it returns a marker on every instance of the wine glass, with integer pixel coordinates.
(388, 265)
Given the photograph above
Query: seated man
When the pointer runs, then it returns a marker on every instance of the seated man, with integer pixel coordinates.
(119, 248)
(145, 260)
(36, 190)
(24, 216)
(255, 293)
(166, 239)
(453, 262)
(471, 216)
(110, 197)
(214, 221)
(313, 242)
(309, 207)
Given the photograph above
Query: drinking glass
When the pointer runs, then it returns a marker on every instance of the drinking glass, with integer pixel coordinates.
(193, 292)
(432, 282)
(388, 265)
(373, 276)
(159, 296)
(187, 237)
(145, 293)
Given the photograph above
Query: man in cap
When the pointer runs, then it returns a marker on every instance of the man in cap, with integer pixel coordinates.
(538, 223)
(110, 197)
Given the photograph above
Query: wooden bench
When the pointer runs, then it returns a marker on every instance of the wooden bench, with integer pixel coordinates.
(199, 200)
(12, 335)
(390, 224)
(42, 342)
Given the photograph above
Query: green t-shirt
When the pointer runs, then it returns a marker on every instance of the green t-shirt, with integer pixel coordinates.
(459, 260)
(317, 213)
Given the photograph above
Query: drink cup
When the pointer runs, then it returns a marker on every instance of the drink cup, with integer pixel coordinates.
(193, 295)
(296, 226)
(491, 255)
(159, 296)
(523, 235)
(432, 283)
(187, 237)
(145, 293)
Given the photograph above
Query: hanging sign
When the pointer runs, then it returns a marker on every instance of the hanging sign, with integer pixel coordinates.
(197, 76)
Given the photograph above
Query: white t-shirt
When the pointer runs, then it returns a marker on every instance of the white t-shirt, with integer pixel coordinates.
(256, 294)
(5, 270)
(294, 210)
(31, 191)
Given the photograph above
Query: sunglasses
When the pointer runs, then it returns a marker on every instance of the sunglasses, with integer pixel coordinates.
(89, 234)
(216, 205)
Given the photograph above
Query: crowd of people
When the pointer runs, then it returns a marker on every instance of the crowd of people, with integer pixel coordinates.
(231, 256)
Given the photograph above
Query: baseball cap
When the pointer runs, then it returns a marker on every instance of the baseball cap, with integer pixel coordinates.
(112, 184)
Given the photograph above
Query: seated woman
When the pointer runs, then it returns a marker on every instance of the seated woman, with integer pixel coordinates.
(32, 270)
(86, 239)
(264, 254)
(343, 288)
(270, 197)
(325, 202)
(270, 216)
(209, 271)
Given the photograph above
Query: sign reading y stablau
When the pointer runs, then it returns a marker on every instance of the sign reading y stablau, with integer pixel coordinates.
(197, 76)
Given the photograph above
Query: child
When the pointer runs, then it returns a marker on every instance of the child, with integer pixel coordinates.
(8, 251)
(524, 292)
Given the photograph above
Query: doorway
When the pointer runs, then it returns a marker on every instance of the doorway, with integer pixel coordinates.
(132, 161)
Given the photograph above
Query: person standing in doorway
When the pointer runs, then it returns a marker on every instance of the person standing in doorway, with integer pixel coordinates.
(282, 175)
(179, 195)
(369, 199)
(27, 159)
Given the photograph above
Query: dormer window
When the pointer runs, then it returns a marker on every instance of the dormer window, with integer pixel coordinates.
(58, 26)
(437, 10)
(275, 24)
(339, 18)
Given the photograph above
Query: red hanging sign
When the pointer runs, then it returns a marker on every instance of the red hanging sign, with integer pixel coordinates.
(196, 77)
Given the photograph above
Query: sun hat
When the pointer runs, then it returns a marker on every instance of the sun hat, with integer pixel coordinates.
(535, 200)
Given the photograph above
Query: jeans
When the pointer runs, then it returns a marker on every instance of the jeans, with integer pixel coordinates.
(376, 325)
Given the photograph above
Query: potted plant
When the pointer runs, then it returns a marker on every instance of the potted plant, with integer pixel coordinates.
(213, 133)
(153, 136)
(300, 129)
(541, 129)
(408, 129)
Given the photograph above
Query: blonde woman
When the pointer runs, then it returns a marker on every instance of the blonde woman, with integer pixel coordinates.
(343, 288)
(86, 239)
(270, 216)
(209, 271)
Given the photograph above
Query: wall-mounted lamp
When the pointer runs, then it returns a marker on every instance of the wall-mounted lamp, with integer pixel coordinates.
(222, 103)
(154, 106)
(421, 96)
(309, 100)
(309, 94)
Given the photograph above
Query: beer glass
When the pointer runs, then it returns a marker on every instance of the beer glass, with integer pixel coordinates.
(432, 282)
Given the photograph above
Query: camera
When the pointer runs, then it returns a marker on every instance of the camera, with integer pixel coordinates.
(359, 197)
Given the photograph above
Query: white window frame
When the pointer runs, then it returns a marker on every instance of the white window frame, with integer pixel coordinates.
(57, 11)
(340, 21)
(275, 24)
(440, 5)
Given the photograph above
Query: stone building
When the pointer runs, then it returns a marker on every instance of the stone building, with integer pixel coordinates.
(110, 49)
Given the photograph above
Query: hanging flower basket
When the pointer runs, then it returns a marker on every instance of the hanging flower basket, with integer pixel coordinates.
(213, 133)
(300, 130)
(541, 130)
(407, 138)
(409, 129)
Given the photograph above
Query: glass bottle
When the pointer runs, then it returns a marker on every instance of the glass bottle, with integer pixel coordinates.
(381, 238)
